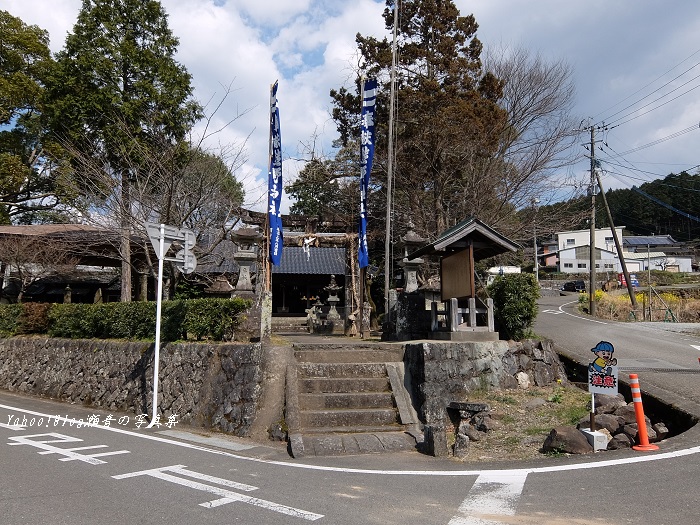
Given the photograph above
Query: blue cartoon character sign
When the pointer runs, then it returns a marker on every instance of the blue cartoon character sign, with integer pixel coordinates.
(602, 371)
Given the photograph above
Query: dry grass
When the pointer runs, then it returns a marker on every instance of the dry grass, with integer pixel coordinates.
(615, 305)
(521, 431)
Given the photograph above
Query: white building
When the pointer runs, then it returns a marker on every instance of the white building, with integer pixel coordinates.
(574, 254)
(603, 238)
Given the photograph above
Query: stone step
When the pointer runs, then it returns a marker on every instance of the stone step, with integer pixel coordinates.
(355, 418)
(344, 443)
(332, 353)
(338, 370)
(340, 355)
(347, 384)
(346, 400)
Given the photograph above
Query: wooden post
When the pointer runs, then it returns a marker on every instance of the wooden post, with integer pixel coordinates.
(363, 274)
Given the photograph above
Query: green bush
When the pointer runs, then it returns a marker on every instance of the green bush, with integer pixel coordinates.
(135, 321)
(9, 319)
(214, 318)
(515, 304)
(77, 321)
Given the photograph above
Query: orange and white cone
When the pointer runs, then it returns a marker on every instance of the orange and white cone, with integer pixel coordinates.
(644, 444)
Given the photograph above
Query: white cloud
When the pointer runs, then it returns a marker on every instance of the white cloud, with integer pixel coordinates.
(615, 48)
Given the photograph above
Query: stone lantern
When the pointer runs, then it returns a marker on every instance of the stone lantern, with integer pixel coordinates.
(333, 299)
(246, 239)
(410, 243)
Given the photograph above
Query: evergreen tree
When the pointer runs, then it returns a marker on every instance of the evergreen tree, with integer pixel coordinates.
(118, 91)
(447, 116)
(30, 184)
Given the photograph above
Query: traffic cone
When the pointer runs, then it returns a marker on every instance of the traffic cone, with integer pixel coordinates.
(644, 444)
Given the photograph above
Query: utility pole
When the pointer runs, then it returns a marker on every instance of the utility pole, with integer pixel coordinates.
(618, 246)
(591, 247)
(535, 202)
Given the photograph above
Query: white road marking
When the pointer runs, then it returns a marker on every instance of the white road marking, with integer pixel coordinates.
(697, 347)
(499, 475)
(226, 496)
(69, 453)
(12, 427)
(553, 312)
(493, 494)
(578, 316)
(656, 456)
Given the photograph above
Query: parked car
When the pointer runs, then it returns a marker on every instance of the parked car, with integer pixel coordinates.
(574, 286)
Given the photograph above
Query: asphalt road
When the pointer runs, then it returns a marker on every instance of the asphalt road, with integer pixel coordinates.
(664, 355)
(56, 473)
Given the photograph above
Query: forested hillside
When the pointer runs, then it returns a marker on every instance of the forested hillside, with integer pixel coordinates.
(671, 206)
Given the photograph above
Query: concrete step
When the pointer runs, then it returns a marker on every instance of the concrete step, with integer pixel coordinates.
(346, 384)
(355, 419)
(338, 370)
(346, 400)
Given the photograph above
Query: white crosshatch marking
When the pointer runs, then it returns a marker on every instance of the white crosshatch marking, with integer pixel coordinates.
(71, 454)
(225, 495)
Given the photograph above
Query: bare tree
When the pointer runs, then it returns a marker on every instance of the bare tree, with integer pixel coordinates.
(29, 258)
(535, 148)
(184, 184)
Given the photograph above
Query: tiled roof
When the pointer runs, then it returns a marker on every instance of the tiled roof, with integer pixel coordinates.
(487, 242)
(316, 261)
(49, 229)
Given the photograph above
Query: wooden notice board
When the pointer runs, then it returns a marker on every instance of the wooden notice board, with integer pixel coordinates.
(457, 275)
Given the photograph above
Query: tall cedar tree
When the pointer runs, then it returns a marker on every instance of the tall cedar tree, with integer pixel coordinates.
(447, 117)
(117, 91)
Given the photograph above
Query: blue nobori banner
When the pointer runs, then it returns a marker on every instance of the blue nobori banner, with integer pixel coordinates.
(274, 184)
(367, 137)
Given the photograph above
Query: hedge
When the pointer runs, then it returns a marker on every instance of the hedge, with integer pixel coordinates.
(211, 319)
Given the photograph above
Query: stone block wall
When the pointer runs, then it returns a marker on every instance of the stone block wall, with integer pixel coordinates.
(446, 372)
(211, 385)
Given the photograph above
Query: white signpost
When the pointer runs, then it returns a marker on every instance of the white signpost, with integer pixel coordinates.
(162, 237)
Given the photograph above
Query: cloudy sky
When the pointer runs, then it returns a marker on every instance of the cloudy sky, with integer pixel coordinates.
(635, 65)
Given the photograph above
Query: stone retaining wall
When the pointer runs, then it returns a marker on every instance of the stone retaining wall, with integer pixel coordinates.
(216, 386)
(446, 372)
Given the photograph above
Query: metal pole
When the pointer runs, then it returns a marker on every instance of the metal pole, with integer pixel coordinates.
(534, 235)
(591, 286)
(156, 355)
(390, 168)
(649, 277)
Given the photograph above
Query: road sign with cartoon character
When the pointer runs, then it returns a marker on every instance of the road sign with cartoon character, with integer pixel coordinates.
(602, 371)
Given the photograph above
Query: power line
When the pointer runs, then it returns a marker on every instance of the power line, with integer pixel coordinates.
(650, 83)
(656, 107)
(659, 89)
(659, 141)
(667, 206)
